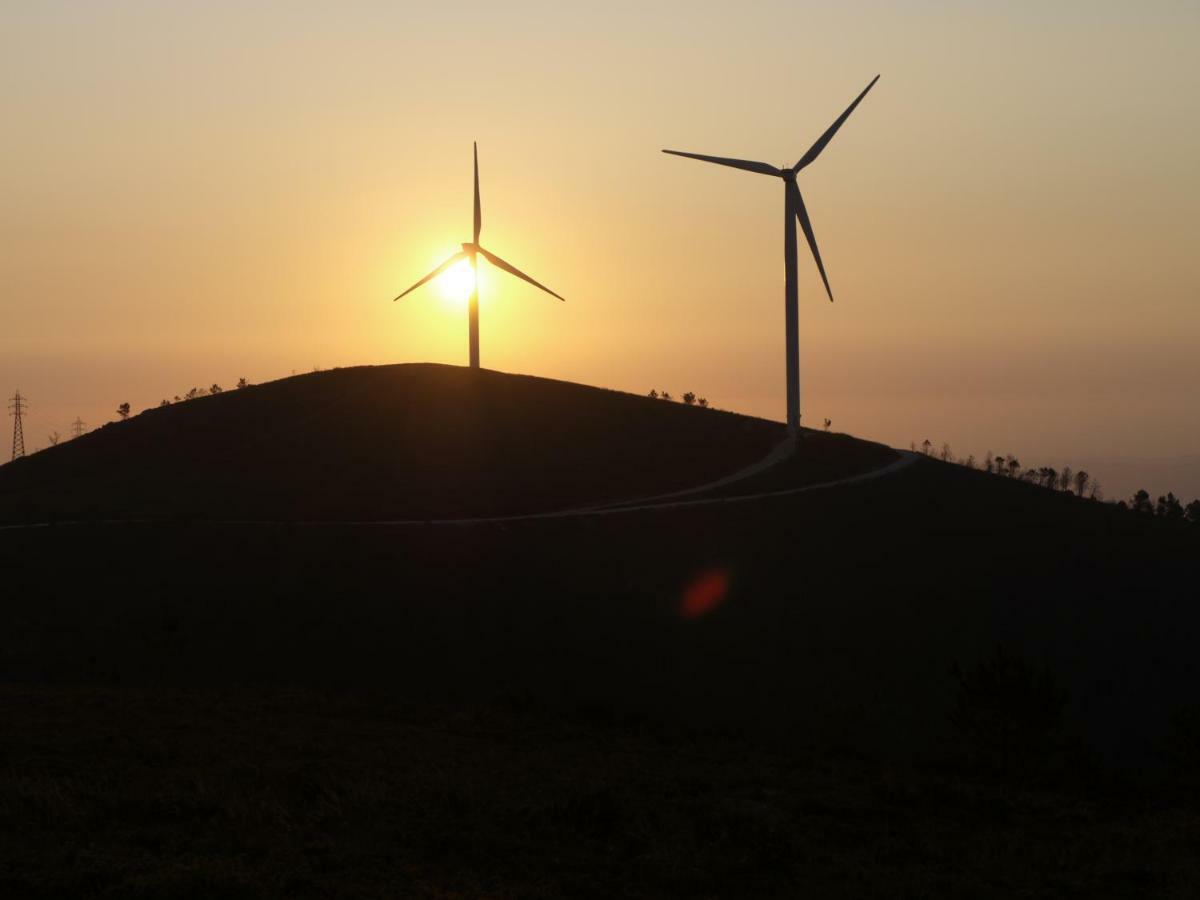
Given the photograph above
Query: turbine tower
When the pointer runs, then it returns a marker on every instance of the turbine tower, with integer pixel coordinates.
(472, 252)
(793, 209)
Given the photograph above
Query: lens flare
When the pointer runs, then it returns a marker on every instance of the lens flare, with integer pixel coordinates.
(704, 593)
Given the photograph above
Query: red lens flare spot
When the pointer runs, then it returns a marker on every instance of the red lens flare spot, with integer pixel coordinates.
(704, 593)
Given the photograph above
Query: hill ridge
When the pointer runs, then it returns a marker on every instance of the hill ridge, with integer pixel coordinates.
(409, 440)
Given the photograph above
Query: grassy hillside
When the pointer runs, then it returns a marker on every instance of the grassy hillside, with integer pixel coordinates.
(383, 442)
(736, 697)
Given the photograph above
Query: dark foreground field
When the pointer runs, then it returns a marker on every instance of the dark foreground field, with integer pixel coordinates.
(253, 793)
(936, 683)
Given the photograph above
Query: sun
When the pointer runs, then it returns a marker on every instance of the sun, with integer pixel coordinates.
(457, 282)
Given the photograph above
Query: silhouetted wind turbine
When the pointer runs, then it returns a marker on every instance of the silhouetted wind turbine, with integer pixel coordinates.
(793, 210)
(472, 252)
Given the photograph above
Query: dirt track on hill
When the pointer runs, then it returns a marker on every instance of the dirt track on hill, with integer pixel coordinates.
(649, 504)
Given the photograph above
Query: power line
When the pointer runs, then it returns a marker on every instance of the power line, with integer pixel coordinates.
(17, 406)
(78, 427)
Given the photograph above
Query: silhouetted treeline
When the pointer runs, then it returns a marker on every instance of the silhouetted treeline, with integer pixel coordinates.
(195, 392)
(1076, 482)
(1168, 507)
(689, 398)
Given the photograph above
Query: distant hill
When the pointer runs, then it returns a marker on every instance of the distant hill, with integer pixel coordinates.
(371, 442)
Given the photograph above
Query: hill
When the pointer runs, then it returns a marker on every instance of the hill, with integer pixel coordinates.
(388, 442)
(934, 682)
(898, 576)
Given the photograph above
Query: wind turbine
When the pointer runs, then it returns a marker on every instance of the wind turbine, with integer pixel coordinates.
(472, 252)
(793, 205)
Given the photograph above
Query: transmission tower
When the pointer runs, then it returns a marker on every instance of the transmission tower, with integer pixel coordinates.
(78, 427)
(18, 405)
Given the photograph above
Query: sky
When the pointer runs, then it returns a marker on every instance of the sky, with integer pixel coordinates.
(196, 192)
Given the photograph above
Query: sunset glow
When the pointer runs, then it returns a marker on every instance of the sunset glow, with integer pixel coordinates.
(457, 282)
(1007, 223)
(635, 449)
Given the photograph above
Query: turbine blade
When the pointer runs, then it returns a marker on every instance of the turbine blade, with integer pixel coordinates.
(806, 227)
(434, 274)
(750, 166)
(478, 211)
(815, 150)
(513, 270)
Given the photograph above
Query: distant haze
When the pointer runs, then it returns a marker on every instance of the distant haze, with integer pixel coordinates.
(193, 192)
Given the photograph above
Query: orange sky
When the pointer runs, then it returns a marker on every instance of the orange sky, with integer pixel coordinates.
(192, 193)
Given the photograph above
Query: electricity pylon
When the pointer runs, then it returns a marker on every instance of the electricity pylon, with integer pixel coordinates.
(18, 405)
